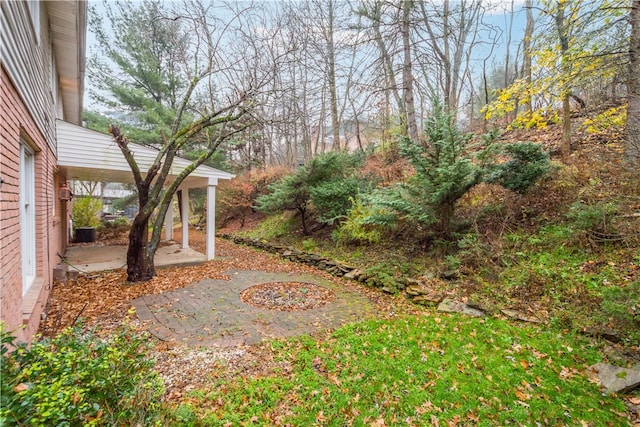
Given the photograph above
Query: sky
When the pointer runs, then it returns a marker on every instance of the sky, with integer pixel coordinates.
(497, 16)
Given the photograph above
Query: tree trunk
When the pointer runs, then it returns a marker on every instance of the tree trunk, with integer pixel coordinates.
(632, 142)
(563, 35)
(140, 265)
(391, 86)
(407, 74)
(565, 148)
(445, 211)
(526, 67)
(303, 219)
(331, 65)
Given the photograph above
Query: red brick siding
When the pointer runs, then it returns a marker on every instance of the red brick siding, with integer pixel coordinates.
(17, 123)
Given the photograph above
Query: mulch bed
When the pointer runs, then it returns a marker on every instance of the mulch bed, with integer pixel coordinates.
(287, 296)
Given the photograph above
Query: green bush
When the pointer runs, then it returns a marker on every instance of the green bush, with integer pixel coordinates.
(621, 306)
(116, 224)
(527, 164)
(325, 183)
(592, 218)
(86, 212)
(361, 224)
(445, 171)
(447, 165)
(331, 199)
(79, 378)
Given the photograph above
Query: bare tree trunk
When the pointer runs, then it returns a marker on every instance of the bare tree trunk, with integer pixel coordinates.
(446, 57)
(486, 94)
(526, 66)
(331, 65)
(507, 81)
(140, 266)
(565, 148)
(448, 32)
(561, 27)
(632, 142)
(375, 15)
(407, 73)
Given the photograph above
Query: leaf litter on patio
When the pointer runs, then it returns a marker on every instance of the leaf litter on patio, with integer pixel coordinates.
(104, 299)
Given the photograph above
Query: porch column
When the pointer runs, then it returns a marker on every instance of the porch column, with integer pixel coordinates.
(211, 217)
(185, 218)
(168, 222)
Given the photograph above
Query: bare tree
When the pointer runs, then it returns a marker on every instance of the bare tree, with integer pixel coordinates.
(632, 142)
(563, 27)
(409, 116)
(375, 12)
(451, 35)
(208, 110)
(527, 54)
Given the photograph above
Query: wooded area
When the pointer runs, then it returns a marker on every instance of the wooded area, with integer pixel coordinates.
(335, 75)
(444, 197)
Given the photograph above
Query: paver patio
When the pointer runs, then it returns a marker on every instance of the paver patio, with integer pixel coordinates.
(210, 313)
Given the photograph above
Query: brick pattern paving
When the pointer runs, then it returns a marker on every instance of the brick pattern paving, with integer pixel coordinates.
(210, 313)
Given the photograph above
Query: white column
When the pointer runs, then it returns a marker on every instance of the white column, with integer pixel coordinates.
(211, 217)
(185, 218)
(168, 222)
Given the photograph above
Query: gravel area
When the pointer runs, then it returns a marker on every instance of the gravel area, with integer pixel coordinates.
(287, 296)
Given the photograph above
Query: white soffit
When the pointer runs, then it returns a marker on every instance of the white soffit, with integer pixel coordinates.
(87, 155)
(68, 24)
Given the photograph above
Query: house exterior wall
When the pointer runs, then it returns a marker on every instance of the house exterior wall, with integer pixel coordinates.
(22, 313)
(28, 110)
(27, 56)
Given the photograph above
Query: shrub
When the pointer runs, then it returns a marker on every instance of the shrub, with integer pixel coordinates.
(447, 166)
(236, 198)
(332, 199)
(444, 172)
(78, 378)
(614, 117)
(527, 164)
(86, 212)
(595, 218)
(362, 224)
(326, 183)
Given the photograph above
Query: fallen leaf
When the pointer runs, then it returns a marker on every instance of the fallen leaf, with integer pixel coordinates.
(522, 395)
(21, 387)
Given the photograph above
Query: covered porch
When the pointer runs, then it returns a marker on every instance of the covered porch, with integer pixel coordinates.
(89, 259)
(87, 155)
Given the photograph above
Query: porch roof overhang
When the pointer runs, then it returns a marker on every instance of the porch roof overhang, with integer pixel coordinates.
(87, 155)
(68, 26)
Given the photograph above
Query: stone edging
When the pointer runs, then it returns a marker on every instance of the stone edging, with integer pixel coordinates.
(415, 289)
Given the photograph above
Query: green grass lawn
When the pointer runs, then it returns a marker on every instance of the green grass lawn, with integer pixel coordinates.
(416, 371)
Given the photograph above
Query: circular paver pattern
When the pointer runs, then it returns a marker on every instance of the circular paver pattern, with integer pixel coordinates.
(287, 296)
(210, 313)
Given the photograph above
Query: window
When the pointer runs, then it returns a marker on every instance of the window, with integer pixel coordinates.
(27, 216)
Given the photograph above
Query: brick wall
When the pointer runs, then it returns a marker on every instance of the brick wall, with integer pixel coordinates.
(16, 124)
